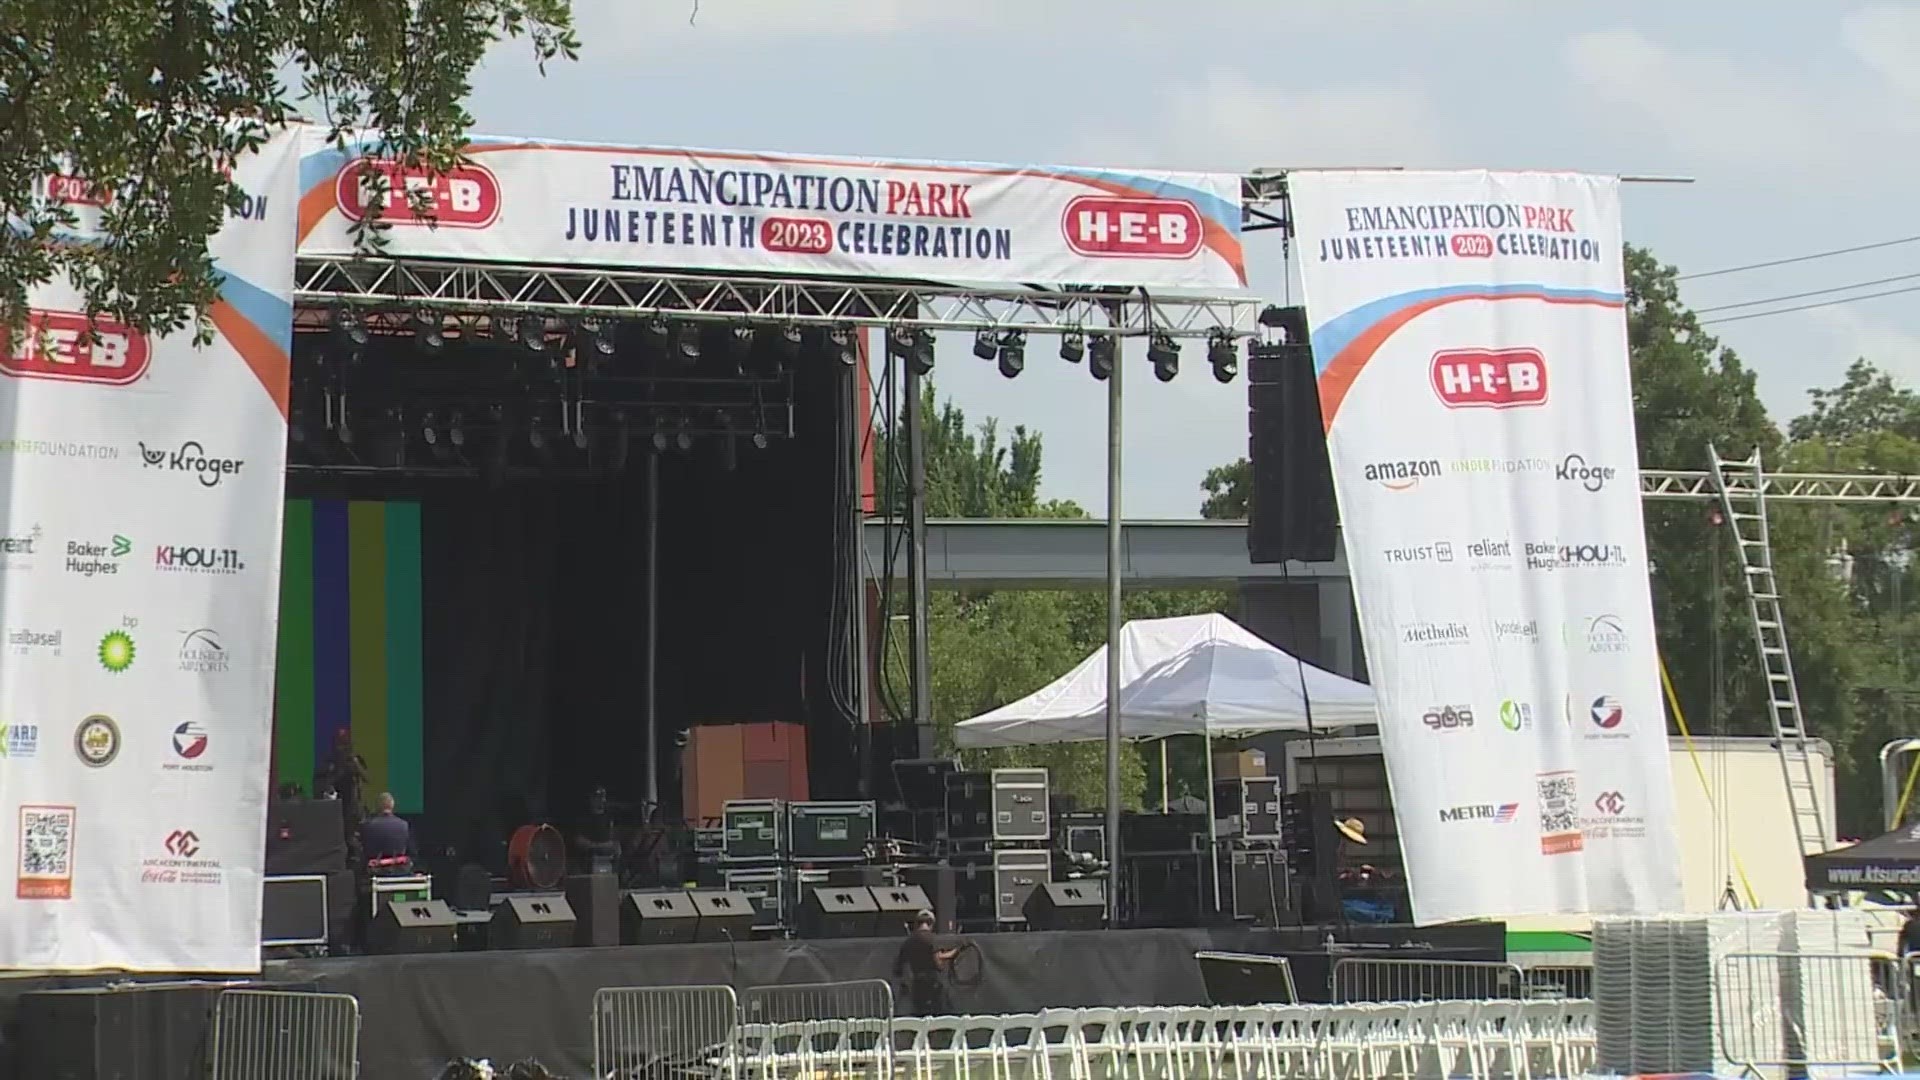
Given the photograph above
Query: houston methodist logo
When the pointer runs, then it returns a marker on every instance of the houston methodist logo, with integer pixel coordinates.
(1100, 225)
(463, 197)
(1490, 378)
(62, 345)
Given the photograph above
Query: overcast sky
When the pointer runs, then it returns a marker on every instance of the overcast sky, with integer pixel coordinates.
(1798, 120)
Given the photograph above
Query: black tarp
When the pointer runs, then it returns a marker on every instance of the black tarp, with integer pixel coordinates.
(1890, 862)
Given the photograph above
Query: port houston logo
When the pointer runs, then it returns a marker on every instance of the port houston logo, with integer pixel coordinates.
(1591, 477)
(1502, 814)
(192, 458)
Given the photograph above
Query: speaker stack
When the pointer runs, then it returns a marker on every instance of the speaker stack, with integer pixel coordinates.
(1291, 514)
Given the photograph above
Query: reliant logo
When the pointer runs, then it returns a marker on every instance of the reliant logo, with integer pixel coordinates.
(1602, 635)
(1489, 378)
(1402, 475)
(192, 458)
(1427, 633)
(1591, 477)
(185, 863)
(1501, 814)
(1516, 715)
(1490, 554)
(1440, 551)
(1448, 718)
(66, 346)
(25, 641)
(90, 559)
(203, 653)
(17, 552)
(1516, 631)
(1099, 225)
(174, 558)
(464, 197)
(19, 742)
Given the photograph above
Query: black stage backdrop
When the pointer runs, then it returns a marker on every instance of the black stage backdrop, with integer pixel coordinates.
(534, 597)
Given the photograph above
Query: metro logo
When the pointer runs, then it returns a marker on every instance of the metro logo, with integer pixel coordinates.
(1490, 378)
(1133, 228)
(76, 191)
(58, 345)
(465, 197)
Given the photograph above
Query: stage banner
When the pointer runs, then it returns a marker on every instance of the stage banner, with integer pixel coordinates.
(139, 559)
(522, 201)
(1470, 336)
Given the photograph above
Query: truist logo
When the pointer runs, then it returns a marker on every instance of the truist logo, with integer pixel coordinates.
(64, 345)
(464, 197)
(1102, 226)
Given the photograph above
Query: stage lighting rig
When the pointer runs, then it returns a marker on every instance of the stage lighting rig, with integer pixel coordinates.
(657, 335)
(429, 332)
(533, 334)
(1164, 353)
(913, 346)
(759, 440)
(1073, 347)
(1013, 353)
(660, 442)
(349, 327)
(686, 343)
(1224, 358)
(739, 349)
(1101, 350)
(845, 344)
(789, 341)
(602, 338)
(984, 346)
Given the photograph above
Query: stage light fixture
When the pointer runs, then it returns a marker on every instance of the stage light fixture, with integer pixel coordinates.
(790, 338)
(682, 440)
(739, 348)
(657, 334)
(503, 329)
(729, 450)
(536, 437)
(921, 353)
(1223, 356)
(350, 328)
(533, 333)
(579, 436)
(660, 441)
(429, 332)
(604, 336)
(1101, 350)
(1013, 353)
(1073, 347)
(428, 432)
(759, 440)
(686, 342)
(456, 431)
(621, 435)
(845, 346)
(984, 346)
(1164, 353)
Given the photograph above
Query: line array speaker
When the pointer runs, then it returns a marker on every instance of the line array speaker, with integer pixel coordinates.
(1291, 512)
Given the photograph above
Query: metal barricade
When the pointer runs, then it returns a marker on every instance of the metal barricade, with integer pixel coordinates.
(862, 999)
(662, 1031)
(1559, 980)
(1801, 1011)
(1366, 978)
(284, 1035)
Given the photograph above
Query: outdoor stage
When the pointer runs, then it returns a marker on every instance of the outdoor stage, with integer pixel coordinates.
(419, 1011)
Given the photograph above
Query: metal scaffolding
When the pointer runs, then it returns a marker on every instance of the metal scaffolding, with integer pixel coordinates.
(1699, 486)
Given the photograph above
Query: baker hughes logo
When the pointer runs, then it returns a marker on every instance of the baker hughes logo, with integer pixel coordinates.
(1107, 227)
(191, 458)
(185, 862)
(90, 559)
(464, 197)
(64, 345)
(1489, 378)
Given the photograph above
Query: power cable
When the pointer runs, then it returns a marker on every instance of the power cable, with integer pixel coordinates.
(1804, 295)
(1810, 307)
(1799, 258)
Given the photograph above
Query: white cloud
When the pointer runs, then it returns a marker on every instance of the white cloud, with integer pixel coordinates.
(1858, 332)
(1886, 37)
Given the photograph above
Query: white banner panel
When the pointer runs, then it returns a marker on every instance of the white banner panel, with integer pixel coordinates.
(1470, 336)
(141, 485)
(781, 215)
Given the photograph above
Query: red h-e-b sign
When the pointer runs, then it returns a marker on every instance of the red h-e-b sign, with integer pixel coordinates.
(464, 197)
(1133, 228)
(1490, 378)
(61, 345)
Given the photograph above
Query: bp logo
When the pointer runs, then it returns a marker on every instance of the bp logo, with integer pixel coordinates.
(116, 651)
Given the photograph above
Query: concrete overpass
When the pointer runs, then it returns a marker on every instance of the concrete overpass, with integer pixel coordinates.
(1306, 608)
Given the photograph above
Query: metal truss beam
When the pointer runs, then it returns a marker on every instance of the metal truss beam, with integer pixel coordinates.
(473, 289)
(1692, 486)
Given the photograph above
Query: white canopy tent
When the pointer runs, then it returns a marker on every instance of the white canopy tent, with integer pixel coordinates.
(1191, 675)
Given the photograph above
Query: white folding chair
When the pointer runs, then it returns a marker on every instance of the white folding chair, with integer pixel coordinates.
(1101, 1040)
(1500, 1030)
(1453, 1038)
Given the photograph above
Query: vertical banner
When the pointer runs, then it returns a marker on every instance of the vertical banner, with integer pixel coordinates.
(1470, 336)
(141, 485)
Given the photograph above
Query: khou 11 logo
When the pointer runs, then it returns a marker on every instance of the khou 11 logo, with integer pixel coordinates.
(1490, 378)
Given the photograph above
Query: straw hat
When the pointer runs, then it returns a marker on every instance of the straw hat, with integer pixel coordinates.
(1353, 829)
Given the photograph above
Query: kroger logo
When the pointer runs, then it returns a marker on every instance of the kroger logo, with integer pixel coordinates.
(1591, 477)
(192, 458)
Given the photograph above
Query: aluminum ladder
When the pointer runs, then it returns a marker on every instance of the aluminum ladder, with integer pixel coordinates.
(1743, 499)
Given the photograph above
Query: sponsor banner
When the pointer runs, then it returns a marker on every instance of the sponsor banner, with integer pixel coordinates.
(138, 588)
(1470, 335)
(782, 215)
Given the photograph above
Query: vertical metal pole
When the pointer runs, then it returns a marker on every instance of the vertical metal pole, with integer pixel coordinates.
(1113, 627)
(1213, 822)
(1166, 795)
(920, 617)
(649, 703)
(856, 573)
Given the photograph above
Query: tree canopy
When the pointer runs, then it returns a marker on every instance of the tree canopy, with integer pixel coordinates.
(144, 106)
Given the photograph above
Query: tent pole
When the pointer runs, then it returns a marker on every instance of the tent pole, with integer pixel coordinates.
(1166, 803)
(1117, 315)
(1213, 822)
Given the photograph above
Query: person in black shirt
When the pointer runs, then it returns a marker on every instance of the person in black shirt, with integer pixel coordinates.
(348, 773)
(594, 846)
(922, 962)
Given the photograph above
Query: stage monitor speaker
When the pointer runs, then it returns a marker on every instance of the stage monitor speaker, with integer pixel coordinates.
(895, 907)
(658, 918)
(531, 922)
(1291, 512)
(828, 912)
(1067, 905)
(725, 915)
(595, 900)
(294, 910)
(413, 926)
(307, 836)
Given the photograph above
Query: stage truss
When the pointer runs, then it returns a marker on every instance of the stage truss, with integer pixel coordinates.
(1833, 488)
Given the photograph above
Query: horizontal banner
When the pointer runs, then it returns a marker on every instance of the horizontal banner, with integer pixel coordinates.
(563, 203)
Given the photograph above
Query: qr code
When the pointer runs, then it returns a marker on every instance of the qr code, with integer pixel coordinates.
(1559, 801)
(46, 852)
